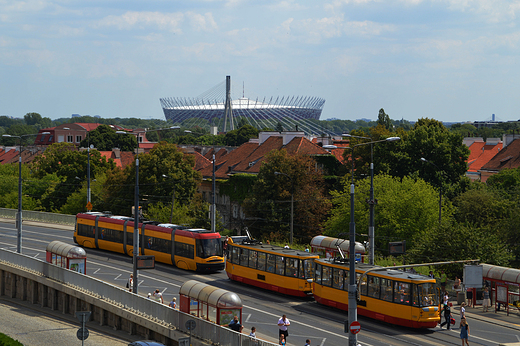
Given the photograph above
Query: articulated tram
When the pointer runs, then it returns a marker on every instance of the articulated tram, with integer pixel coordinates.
(389, 295)
(190, 249)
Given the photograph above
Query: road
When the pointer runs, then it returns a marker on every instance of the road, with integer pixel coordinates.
(262, 309)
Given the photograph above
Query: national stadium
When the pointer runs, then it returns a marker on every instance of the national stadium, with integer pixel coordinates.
(215, 107)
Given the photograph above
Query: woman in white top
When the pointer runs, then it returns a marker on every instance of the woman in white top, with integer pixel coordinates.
(462, 311)
(253, 332)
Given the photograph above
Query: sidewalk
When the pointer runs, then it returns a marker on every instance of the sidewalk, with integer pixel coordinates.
(499, 318)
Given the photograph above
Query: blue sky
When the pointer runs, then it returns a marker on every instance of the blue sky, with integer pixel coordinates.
(451, 60)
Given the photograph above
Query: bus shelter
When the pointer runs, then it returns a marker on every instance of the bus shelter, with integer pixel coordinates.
(210, 303)
(505, 284)
(331, 247)
(67, 256)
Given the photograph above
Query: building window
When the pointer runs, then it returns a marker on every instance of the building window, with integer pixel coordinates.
(78, 139)
(69, 138)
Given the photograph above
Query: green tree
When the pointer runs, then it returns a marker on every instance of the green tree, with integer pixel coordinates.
(405, 208)
(383, 119)
(70, 166)
(241, 135)
(105, 138)
(268, 206)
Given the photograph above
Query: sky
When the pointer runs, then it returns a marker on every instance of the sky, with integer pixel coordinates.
(450, 60)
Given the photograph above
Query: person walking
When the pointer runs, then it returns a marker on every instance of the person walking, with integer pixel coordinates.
(462, 311)
(282, 340)
(283, 323)
(308, 342)
(464, 331)
(157, 296)
(130, 282)
(447, 315)
(253, 332)
(173, 303)
(486, 303)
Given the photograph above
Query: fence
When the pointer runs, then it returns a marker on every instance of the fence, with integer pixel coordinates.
(30, 215)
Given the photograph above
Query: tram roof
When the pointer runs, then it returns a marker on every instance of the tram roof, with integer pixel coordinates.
(390, 273)
(276, 249)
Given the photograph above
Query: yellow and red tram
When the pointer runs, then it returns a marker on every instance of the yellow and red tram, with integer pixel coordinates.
(190, 249)
(274, 268)
(388, 295)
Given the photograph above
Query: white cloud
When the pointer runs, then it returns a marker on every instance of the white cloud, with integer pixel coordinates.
(131, 20)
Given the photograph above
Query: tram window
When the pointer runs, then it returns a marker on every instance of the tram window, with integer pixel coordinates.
(402, 293)
(111, 235)
(86, 230)
(337, 278)
(244, 257)
(261, 261)
(347, 280)
(280, 265)
(317, 276)
(234, 254)
(307, 272)
(157, 244)
(373, 287)
(326, 276)
(416, 298)
(253, 257)
(427, 293)
(184, 250)
(270, 264)
(291, 267)
(362, 284)
(386, 290)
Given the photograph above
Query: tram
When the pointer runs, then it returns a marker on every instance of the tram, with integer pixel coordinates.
(388, 295)
(190, 249)
(270, 267)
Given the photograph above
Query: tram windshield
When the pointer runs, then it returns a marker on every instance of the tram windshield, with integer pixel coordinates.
(209, 247)
(426, 295)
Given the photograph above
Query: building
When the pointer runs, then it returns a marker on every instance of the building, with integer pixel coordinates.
(507, 158)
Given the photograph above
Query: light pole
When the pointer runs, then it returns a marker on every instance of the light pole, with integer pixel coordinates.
(19, 213)
(440, 187)
(352, 287)
(292, 205)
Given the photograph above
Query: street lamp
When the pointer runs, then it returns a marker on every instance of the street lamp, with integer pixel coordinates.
(292, 205)
(440, 187)
(352, 287)
(19, 213)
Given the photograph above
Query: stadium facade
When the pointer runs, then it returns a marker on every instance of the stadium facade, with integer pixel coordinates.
(217, 108)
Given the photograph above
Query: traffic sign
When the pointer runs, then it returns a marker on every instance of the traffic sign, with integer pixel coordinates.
(82, 333)
(89, 206)
(83, 316)
(190, 324)
(355, 327)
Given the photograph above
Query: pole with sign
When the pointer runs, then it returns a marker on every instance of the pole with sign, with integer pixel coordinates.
(355, 327)
(83, 317)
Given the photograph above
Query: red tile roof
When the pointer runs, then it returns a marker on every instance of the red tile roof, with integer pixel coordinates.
(480, 154)
(508, 157)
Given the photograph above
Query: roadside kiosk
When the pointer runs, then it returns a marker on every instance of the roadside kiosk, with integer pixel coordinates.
(67, 256)
(210, 303)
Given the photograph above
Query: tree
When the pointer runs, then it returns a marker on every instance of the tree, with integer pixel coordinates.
(405, 208)
(241, 135)
(163, 171)
(268, 206)
(70, 166)
(105, 138)
(384, 120)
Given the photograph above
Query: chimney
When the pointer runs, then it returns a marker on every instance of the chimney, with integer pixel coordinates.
(117, 153)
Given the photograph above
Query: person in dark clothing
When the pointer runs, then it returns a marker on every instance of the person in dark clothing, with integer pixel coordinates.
(447, 315)
(235, 325)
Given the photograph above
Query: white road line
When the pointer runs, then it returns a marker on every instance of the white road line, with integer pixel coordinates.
(323, 342)
(247, 319)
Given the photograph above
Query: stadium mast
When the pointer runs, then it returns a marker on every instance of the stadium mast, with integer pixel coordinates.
(228, 110)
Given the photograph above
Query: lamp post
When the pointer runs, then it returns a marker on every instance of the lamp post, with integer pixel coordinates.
(19, 213)
(352, 287)
(292, 205)
(440, 187)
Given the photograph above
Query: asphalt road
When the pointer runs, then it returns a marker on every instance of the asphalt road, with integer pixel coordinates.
(262, 309)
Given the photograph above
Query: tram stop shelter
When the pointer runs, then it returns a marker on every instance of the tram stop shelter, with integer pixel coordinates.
(505, 286)
(67, 256)
(210, 303)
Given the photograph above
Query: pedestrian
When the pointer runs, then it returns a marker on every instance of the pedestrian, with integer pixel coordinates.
(308, 342)
(431, 274)
(235, 325)
(469, 296)
(282, 340)
(462, 311)
(173, 303)
(486, 303)
(456, 284)
(226, 246)
(283, 322)
(306, 249)
(446, 298)
(464, 331)
(253, 332)
(447, 315)
(286, 246)
(444, 278)
(130, 282)
(149, 296)
(157, 296)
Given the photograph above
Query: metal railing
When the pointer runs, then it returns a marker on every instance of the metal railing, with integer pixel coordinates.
(205, 330)
(41, 216)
